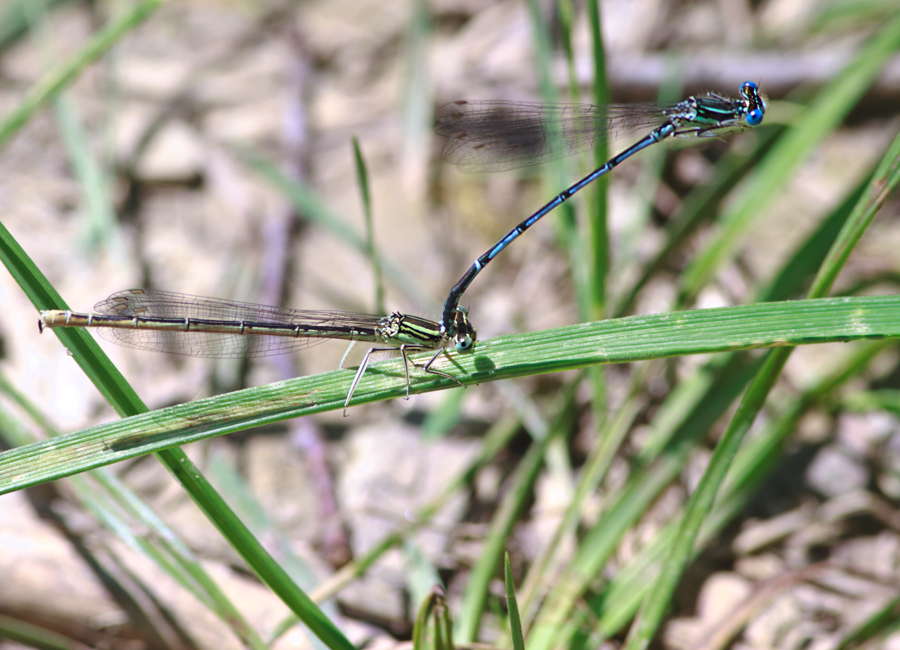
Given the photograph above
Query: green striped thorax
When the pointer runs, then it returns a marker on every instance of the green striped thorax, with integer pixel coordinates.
(714, 115)
(404, 329)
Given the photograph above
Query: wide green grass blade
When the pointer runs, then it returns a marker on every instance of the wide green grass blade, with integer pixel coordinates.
(576, 346)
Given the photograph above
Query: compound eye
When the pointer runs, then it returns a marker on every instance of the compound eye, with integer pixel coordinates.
(464, 343)
(754, 117)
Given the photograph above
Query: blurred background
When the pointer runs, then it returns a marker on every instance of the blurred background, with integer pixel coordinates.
(211, 153)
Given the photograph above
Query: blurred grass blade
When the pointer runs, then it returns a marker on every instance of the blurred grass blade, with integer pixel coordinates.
(61, 76)
(515, 623)
(754, 464)
(495, 441)
(885, 180)
(434, 609)
(101, 222)
(313, 209)
(31, 635)
(15, 19)
(700, 206)
(362, 179)
(773, 173)
(102, 226)
(514, 500)
(681, 550)
(878, 627)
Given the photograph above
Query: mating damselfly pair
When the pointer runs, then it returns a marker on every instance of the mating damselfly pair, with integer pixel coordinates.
(482, 136)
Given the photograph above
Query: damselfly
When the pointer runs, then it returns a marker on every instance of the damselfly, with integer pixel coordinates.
(497, 135)
(162, 321)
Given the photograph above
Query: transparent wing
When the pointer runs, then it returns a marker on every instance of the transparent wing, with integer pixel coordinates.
(490, 136)
(166, 304)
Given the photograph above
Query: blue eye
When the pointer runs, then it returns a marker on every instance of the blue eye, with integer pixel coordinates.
(754, 117)
(749, 84)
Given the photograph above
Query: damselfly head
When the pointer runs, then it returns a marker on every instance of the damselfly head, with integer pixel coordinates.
(464, 333)
(754, 103)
